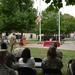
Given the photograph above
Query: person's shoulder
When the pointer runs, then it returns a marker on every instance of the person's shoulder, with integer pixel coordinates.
(11, 71)
(58, 50)
(73, 61)
(21, 59)
(16, 49)
(45, 59)
(32, 59)
(58, 59)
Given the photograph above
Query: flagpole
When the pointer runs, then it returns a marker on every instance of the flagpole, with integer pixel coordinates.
(40, 20)
(59, 25)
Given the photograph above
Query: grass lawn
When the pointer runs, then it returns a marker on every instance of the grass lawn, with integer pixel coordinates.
(41, 53)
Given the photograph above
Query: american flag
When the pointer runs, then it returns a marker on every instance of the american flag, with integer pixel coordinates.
(38, 19)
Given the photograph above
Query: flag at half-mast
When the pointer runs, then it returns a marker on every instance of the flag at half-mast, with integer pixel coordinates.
(38, 19)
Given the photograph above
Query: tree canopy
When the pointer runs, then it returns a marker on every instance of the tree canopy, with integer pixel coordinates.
(57, 4)
(18, 15)
(50, 25)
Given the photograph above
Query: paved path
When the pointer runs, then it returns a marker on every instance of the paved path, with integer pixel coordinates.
(68, 45)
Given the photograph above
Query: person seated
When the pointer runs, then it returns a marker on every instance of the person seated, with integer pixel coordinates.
(72, 67)
(11, 58)
(52, 61)
(18, 51)
(4, 70)
(69, 68)
(26, 60)
(59, 52)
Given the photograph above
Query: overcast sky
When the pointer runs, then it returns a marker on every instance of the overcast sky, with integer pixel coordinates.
(66, 9)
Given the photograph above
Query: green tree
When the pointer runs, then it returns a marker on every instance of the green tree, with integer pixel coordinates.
(57, 4)
(67, 23)
(18, 15)
(50, 26)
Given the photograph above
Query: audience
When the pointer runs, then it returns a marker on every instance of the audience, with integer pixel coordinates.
(18, 51)
(72, 66)
(52, 61)
(4, 70)
(59, 53)
(26, 60)
(11, 58)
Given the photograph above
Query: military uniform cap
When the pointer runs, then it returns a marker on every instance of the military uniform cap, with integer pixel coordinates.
(3, 44)
(52, 48)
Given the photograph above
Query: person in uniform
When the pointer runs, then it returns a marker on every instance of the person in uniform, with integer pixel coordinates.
(58, 51)
(18, 51)
(11, 58)
(4, 70)
(52, 61)
(12, 41)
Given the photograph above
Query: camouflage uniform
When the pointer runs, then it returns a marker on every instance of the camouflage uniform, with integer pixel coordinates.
(59, 53)
(18, 51)
(12, 41)
(4, 70)
(52, 63)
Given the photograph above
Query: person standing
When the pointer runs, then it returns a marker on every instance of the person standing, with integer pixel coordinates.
(12, 41)
(24, 40)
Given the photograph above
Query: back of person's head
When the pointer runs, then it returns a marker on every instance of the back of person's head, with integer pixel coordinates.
(26, 54)
(52, 52)
(3, 45)
(55, 44)
(13, 33)
(3, 56)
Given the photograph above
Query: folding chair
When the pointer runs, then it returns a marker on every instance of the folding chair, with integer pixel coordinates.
(25, 71)
(38, 62)
(52, 71)
(38, 59)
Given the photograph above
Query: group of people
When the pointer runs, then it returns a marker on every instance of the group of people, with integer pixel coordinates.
(13, 41)
(9, 63)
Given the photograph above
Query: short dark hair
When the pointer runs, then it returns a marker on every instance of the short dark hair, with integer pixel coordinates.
(52, 51)
(55, 44)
